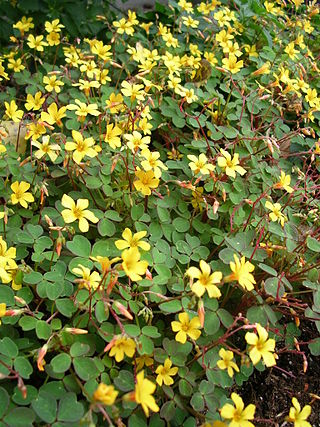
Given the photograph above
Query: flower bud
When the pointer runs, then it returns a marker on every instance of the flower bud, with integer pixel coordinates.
(123, 310)
(76, 331)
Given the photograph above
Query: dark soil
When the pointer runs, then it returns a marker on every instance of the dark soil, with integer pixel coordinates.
(272, 390)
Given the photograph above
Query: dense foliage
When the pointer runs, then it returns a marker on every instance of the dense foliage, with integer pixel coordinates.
(159, 214)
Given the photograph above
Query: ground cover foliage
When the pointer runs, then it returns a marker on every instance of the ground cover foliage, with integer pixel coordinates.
(159, 219)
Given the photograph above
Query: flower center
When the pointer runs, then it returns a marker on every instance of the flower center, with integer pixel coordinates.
(77, 212)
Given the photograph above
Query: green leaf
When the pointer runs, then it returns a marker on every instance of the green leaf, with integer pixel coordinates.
(66, 307)
(168, 411)
(132, 330)
(274, 287)
(8, 348)
(124, 381)
(28, 323)
(137, 420)
(6, 295)
(197, 402)
(23, 366)
(268, 269)
(70, 410)
(79, 246)
(61, 363)
(4, 401)
(151, 331)
(43, 330)
(211, 323)
(45, 407)
(314, 347)
(185, 388)
(106, 227)
(313, 244)
(20, 417)
(173, 306)
(79, 349)
(146, 345)
(85, 368)
(181, 225)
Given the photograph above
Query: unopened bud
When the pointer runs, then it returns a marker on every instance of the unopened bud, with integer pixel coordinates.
(20, 300)
(40, 361)
(148, 275)
(76, 331)
(215, 206)
(201, 313)
(48, 221)
(123, 310)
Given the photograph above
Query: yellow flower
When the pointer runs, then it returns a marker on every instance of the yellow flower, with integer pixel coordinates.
(123, 26)
(239, 415)
(24, 25)
(298, 416)
(3, 309)
(144, 360)
(105, 262)
(230, 165)
(36, 42)
(146, 26)
(186, 6)
(20, 194)
(105, 394)
(276, 215)
(52, 84)
(186, 327)
(232, 64)
(226, 362)
(53, 27)
(132, 241)
(81, 147)
(102, 50)
(82, 109)
(16, 65)
(136, 141)
(291, 51)
(7, 256)
(132, 91)
(223, 37)
(35, 130)
(88, 280)
(165, 372)
(251, 50)
(53, 115)
(152, 162)
(264, 69)
(206, 281)
(133, 267)
(77, 212)
(115, 103)
(53, 39)
(34, 102)
(189, 95)
(188, 21)
(143, 394)
(86, 85)
(145, 182)
(284, 183)
(12, 111)
(200, 164)
(121, 347)
(45, 148)
(261, 346)
(241, 273)
(112, 136)
(312, 97)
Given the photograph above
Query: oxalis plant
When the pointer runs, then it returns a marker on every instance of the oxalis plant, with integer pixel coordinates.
(159, 216)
